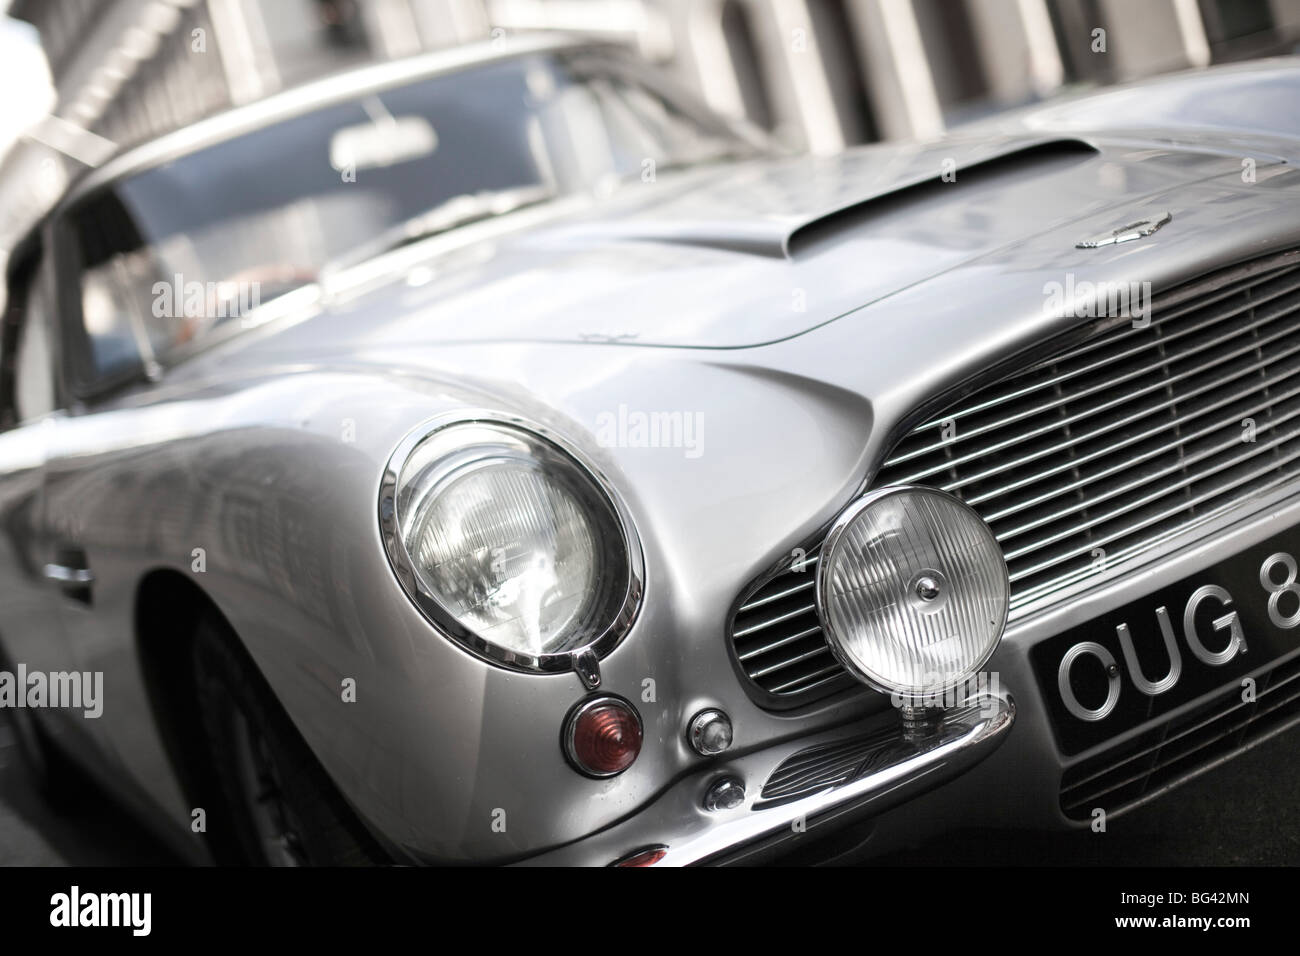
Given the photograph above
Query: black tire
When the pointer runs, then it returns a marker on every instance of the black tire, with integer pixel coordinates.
(282, 806)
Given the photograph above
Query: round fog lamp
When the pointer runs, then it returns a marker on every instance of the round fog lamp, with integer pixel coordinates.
(912, 591)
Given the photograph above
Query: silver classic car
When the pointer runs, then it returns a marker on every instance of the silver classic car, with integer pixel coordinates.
(495, 457)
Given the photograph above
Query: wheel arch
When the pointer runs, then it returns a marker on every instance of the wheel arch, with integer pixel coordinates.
(168, 607)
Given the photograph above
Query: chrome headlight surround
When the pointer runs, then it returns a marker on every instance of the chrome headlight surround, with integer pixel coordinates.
(926, 589)
(626, 596)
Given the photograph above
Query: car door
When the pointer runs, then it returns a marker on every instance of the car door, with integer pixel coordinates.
(31, 637)
(100, 516)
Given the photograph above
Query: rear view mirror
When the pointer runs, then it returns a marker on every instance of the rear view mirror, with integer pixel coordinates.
(385, 142)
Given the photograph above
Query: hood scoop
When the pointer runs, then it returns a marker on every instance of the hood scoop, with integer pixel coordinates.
(1038, 159)
(779, 209)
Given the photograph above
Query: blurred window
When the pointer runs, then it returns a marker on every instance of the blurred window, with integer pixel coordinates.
(1240, 28)
(746, 62)
(26, 362)
(172, 253)
(34, 363)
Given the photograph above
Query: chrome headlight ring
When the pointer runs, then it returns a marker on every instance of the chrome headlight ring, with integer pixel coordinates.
(462, 446)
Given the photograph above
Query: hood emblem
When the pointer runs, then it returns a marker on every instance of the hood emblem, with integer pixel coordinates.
(1134, 230)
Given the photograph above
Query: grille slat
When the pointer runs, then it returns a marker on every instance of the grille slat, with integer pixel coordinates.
(1143, 478)
(793, 589)
(782, 665)
(1096, 519)
(1175, 310)
(1074, 460)
(819, 678)
(1108, 446)
(1059, 424)
(1118, 467)
(778, 619)
(1178, 507)
(1097, 366)
(1065, 358)
(780, 642)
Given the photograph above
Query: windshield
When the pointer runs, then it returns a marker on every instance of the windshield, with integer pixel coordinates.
(170, 254)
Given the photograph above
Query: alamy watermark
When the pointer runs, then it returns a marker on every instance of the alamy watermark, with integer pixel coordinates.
(75, 908)
(180, 299)
(984, 689)
(66, 690)
(630, 428)
(1076, 299)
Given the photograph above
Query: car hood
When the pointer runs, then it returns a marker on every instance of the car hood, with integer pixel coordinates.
(744, 254)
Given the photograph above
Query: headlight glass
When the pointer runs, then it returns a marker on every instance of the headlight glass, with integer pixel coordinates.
(912, 590)
(510, 544)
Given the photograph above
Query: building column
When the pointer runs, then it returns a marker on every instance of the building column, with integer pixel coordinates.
(796, 40)
(449, 22)
(392, 28)
(1154, 36)
(245, 49)
(1017, 48)
(703, 59)
(899, 84)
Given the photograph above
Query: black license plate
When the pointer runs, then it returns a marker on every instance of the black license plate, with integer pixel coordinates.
(1222, 623)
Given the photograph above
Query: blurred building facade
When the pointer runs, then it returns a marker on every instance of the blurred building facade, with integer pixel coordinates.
(818, 74)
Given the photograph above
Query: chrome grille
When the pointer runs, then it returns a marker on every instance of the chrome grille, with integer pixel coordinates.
(1090, 457)
(778, 637)
(1097, 453)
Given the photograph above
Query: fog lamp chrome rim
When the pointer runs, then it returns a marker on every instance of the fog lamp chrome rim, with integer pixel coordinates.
(923, 589)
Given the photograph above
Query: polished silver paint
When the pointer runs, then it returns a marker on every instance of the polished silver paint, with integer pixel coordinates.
(803, 307)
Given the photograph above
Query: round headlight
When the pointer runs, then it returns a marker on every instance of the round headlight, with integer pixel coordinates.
(509, 544)
(912, 591)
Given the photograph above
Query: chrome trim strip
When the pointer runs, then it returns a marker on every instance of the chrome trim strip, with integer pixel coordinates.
(62, 574)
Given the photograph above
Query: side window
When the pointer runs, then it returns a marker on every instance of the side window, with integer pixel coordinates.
(27, 376)
(117, 279)
(115, 306)
(34, 360)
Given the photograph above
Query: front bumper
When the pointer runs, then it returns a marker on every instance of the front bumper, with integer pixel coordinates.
(888, 767)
